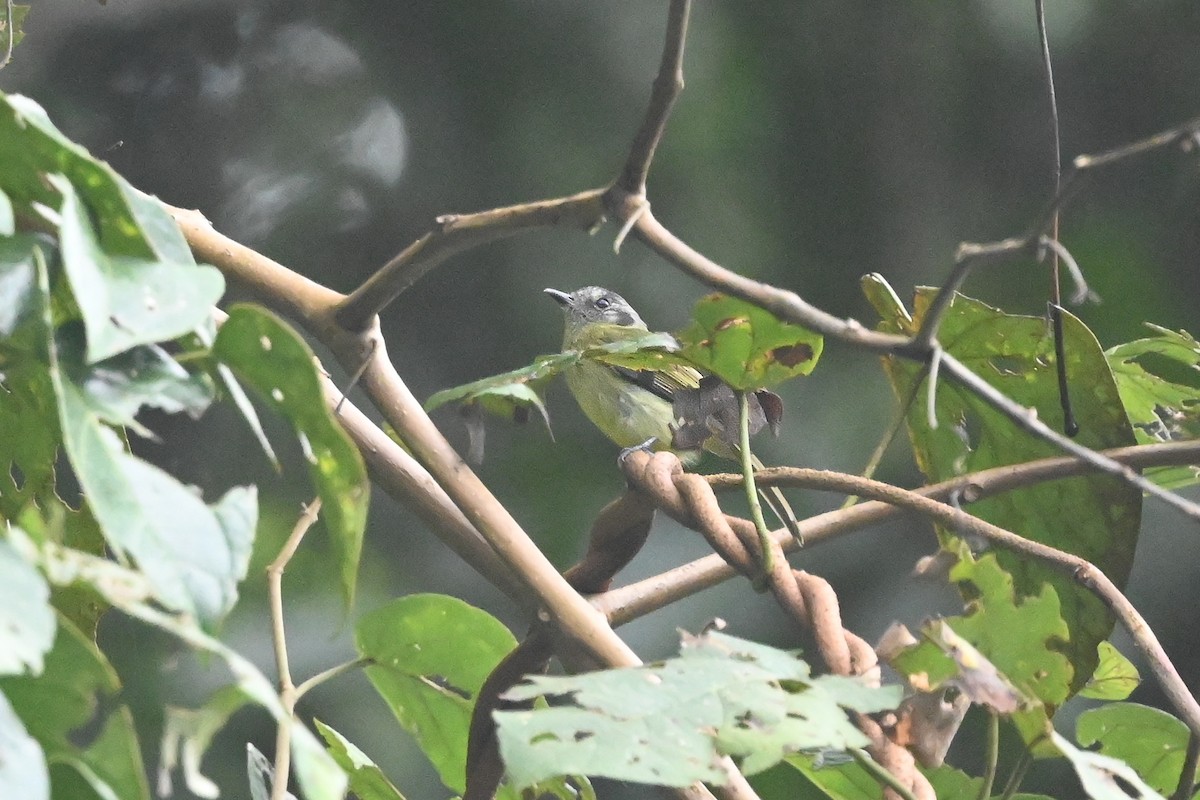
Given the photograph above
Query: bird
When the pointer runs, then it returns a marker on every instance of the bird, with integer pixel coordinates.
(637, 407)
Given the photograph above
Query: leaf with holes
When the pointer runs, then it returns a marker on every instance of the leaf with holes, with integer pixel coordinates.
(67, 695)
(1104, 777)
(268, 356)
(431, 654)
(1159, 381)
(746, 346)
(671, 722)
(1095, 516)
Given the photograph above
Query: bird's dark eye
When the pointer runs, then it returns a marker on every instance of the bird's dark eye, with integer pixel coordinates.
(603, 303)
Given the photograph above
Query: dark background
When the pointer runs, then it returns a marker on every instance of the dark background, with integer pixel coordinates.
(815, 142)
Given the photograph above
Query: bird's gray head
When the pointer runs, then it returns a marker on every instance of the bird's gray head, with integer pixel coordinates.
(593, 305)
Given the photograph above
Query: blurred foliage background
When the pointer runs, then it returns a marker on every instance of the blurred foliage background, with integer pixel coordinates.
(815, 142)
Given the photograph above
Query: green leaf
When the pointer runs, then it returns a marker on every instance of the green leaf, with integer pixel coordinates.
(669, 723)
(117, 388)
(267, 355)
(367, 781)
(1151, 741)
(18, 284)
(127, 300)
(746, 346)
(26, 618)
(508, 390)
(192, 560)
(1159, 381)
(431, 656)
(65, 697)
(23, 770)
(15, 21)
(1104, 777)
(950, 782)
(1115, 677)
(31, 148)
(839, 778)
(1096, 517)
(186, 735)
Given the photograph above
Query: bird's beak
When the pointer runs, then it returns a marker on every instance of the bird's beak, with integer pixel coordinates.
(562, 298)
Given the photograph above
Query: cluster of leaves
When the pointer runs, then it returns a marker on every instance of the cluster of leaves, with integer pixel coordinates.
(105, 313)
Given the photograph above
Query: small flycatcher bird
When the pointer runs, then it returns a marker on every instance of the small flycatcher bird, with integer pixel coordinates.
(632, 406)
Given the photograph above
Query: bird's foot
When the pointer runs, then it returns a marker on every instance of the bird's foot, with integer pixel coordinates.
(646, 446)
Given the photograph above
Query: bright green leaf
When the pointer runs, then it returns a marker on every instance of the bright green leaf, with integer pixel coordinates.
(431, 655)
(1096, 517)
(23, 770)
(670, 723)
(26, 618)
(1115, 677)
(125, 300)
(1151, 741)
(63, 698)
(533, 377)
(267, 355)
(18, 284)
(193, 562)
(746, 346)
(1159, 381)
(367, 781)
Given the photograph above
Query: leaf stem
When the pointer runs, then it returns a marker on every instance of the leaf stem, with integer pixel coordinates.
(880, 774)
(992, 755)
(765, 543)
(329, 674)
(1018, 775)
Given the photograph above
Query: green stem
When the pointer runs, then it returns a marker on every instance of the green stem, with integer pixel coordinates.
(329, 674)
(1018, 775)
(881, 775)
(764, 535)
(889, 435)
(993, 755)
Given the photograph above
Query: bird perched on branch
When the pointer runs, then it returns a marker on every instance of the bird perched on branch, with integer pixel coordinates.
(676, 408)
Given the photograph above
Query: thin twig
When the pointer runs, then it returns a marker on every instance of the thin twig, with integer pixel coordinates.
(327, 675)
(667, 86)
(1187, 777)
(287, 691)
(457, 233)
(756, 514)
(1070, 427)
(889, 435)
(1078, 569)
(1027, 420)
(635, 600)
(9, 24)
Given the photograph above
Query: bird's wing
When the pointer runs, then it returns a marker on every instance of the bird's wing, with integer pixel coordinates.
(663, 383)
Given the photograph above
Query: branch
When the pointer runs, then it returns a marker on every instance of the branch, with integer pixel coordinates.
(457, 233)
(667, 86)
(638, 599)
(287, 690)
(1080, 570)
